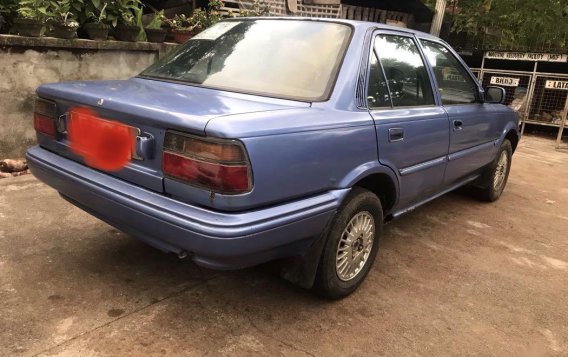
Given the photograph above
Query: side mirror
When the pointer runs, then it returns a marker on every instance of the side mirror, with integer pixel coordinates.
(494, 94)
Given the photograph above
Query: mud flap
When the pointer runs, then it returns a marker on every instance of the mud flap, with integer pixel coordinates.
(301, 270)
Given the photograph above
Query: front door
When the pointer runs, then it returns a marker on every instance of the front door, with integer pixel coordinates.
(473, 134)
(412, 132)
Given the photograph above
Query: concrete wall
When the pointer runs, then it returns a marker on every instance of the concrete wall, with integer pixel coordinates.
(27, 63)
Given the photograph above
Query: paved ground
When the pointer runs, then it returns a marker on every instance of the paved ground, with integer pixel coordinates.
(455, 277)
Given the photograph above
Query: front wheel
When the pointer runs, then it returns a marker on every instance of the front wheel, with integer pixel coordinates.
(495, 177)
(351, 245)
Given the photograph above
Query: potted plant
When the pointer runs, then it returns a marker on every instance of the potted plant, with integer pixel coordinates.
(96, 28)
(182, 27)
(61, 19)
(122, 14)
(154, 30)
(31, 18)
(185, 27)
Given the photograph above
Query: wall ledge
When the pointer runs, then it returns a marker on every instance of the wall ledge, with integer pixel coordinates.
(82, 44)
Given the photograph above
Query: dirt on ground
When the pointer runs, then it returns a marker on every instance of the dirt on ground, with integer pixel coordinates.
(454, 277)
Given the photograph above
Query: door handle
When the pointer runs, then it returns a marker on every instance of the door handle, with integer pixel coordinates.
(458, 125)
(396, 134)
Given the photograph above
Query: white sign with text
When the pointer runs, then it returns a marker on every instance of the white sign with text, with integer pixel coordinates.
(556, 85)
(527, 56)
(505, 81)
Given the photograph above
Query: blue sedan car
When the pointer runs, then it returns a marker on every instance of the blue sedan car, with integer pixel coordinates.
(282, 138)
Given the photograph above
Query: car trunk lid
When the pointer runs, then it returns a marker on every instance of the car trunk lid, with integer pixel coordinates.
(152, 108)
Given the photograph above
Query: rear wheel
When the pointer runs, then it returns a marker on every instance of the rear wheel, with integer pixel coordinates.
(351, 245)
(494, 179)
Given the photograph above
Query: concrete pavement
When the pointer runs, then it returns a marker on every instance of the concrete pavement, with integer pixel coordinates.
(454, 277)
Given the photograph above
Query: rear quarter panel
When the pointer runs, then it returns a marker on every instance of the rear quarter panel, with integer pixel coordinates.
(293, 153)
(299, 152)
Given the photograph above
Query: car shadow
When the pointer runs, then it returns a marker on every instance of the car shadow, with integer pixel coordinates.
(122, 262)
(113, 264)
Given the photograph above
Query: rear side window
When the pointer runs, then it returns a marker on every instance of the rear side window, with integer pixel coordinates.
(405, 71)
(454, 82)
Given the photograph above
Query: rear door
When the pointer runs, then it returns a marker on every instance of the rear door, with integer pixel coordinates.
(412, 131)
(473, 134)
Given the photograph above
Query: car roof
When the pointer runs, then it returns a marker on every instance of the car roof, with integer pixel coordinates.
(360, 25)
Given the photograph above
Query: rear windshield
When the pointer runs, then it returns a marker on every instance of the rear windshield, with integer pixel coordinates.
(290, 59)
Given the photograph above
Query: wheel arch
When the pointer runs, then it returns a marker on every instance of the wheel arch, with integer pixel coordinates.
(513, 136)
(382, 186)
(372, 176)
(511, 132)
(377, 178)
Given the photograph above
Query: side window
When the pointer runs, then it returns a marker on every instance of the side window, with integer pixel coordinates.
(454, 83)
(377, 94)
(407, 77)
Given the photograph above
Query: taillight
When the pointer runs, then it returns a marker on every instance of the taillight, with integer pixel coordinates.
(44, 117)
(218, 165)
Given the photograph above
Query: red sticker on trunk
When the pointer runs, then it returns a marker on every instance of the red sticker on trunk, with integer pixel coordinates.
(104, 144)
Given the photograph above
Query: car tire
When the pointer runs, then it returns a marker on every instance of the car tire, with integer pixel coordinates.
(494, 179)
(352, 241)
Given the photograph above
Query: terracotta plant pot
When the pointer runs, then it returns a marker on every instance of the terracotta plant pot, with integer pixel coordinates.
(62, 31)
(126, 33)
(181, 36)
(156, 35)
(97, 31)
(27, 27)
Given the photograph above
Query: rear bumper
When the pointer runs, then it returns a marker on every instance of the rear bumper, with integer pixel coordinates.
(215, 240)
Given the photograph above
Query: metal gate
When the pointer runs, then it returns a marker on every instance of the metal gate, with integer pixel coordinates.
(540, 98)
(516, 85)
(549, 103)
(549, 99)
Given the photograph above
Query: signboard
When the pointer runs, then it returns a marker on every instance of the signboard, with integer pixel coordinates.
(450, 74)
(527, 56)
(454, 77)
(556, 85)
(505, 81)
